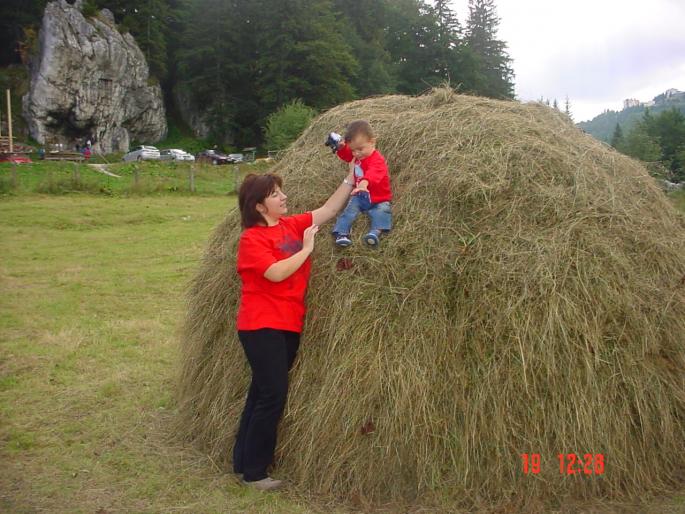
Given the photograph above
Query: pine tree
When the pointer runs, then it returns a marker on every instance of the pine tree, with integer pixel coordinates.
(481, 38)
(451, 63)
(302, 54)
(363, 22)
(449, 28)
(205, 75)
(617, 138)
(640, 145)
(567, 108)
(411, 41)
(555, 105)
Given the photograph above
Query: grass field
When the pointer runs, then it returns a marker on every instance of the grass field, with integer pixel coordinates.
(135, 179)
(92, 295)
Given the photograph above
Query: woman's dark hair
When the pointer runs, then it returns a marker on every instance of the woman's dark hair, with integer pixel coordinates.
(253, 190)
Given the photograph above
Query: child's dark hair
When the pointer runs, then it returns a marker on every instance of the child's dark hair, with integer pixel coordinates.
(358, 127)
(253, 190)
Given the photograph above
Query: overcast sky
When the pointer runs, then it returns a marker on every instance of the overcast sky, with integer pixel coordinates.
(598, 52)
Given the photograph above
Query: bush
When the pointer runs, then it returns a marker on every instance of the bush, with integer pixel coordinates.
(286, 124)
(89, 9)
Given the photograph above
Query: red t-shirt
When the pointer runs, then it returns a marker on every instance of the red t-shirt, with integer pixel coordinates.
(267, 304)
(375, 170)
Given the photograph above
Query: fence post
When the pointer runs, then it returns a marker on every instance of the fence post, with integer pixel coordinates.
(136, 175)
(236, 175)
(192, 178)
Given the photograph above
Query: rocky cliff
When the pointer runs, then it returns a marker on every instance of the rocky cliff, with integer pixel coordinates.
(90, 81)
(190, 114)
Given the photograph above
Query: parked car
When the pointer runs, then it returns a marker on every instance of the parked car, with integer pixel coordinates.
(142, 153)
(236, 157)
(213, 157)
(174, 154)
(15, 158)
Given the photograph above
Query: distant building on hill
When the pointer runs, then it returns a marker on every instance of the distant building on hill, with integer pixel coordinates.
(670, 93)
(631, 102)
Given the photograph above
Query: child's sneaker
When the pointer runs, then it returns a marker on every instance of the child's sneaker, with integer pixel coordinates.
(371, 238)
(343, 240)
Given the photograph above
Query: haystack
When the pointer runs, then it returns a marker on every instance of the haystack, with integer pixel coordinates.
(530, 299)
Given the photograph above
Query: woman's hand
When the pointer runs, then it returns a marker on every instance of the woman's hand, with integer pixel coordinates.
(308, 238)
(282, 269)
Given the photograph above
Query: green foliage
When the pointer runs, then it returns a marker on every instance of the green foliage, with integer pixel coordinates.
(602, 126)
(286, 124)
(481, 37)
(237, 61)
(89, 9)
(640, 145)
(15, 16)
(678, 198)
(655, 139)
(668, 129)
(679, 161)
(179, 136)
(617, 139)
(362, 22)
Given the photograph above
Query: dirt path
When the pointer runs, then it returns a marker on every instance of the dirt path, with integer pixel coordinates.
(102, 168)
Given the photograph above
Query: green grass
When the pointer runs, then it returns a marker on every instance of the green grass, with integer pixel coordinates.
(91, 303)
(92, 297)
(144, 178)
(678, 199)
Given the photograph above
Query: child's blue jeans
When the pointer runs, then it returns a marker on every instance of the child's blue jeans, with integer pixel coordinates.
(379, 214)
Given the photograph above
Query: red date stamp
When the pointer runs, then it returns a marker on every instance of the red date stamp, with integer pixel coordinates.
(569, 463)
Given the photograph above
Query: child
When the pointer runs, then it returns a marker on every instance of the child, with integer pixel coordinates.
(371, 192)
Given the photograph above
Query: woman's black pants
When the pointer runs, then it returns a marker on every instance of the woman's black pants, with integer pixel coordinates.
(271, 354)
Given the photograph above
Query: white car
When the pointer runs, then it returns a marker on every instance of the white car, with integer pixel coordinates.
(174, 154)
(142, 153)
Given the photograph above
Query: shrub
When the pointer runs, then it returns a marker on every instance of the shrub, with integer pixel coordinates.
(286, 124)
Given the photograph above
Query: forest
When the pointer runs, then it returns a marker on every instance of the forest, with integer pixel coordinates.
(238, 61)
(657, 139)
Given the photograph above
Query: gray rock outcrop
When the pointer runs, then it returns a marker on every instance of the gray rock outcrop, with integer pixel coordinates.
(90, 81)
(190, 114)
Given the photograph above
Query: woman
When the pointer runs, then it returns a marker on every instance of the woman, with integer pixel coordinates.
(273, 264)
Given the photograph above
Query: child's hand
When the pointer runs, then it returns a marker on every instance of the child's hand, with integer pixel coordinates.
(334, 140)
(362, 186)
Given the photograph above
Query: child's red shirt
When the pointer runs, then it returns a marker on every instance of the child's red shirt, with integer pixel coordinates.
(375, 170)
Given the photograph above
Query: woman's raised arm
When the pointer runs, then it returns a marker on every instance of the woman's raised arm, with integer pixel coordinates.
(335, 202)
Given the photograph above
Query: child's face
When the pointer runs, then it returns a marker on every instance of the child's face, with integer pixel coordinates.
(362, 146)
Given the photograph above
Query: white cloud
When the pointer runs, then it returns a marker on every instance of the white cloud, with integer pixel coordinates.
(598, 52)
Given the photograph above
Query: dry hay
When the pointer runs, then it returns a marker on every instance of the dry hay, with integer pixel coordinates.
(529, 300)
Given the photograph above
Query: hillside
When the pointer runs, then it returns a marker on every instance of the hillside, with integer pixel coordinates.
(602, 126)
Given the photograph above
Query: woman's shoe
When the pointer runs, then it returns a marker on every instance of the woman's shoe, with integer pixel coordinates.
(265, 484)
